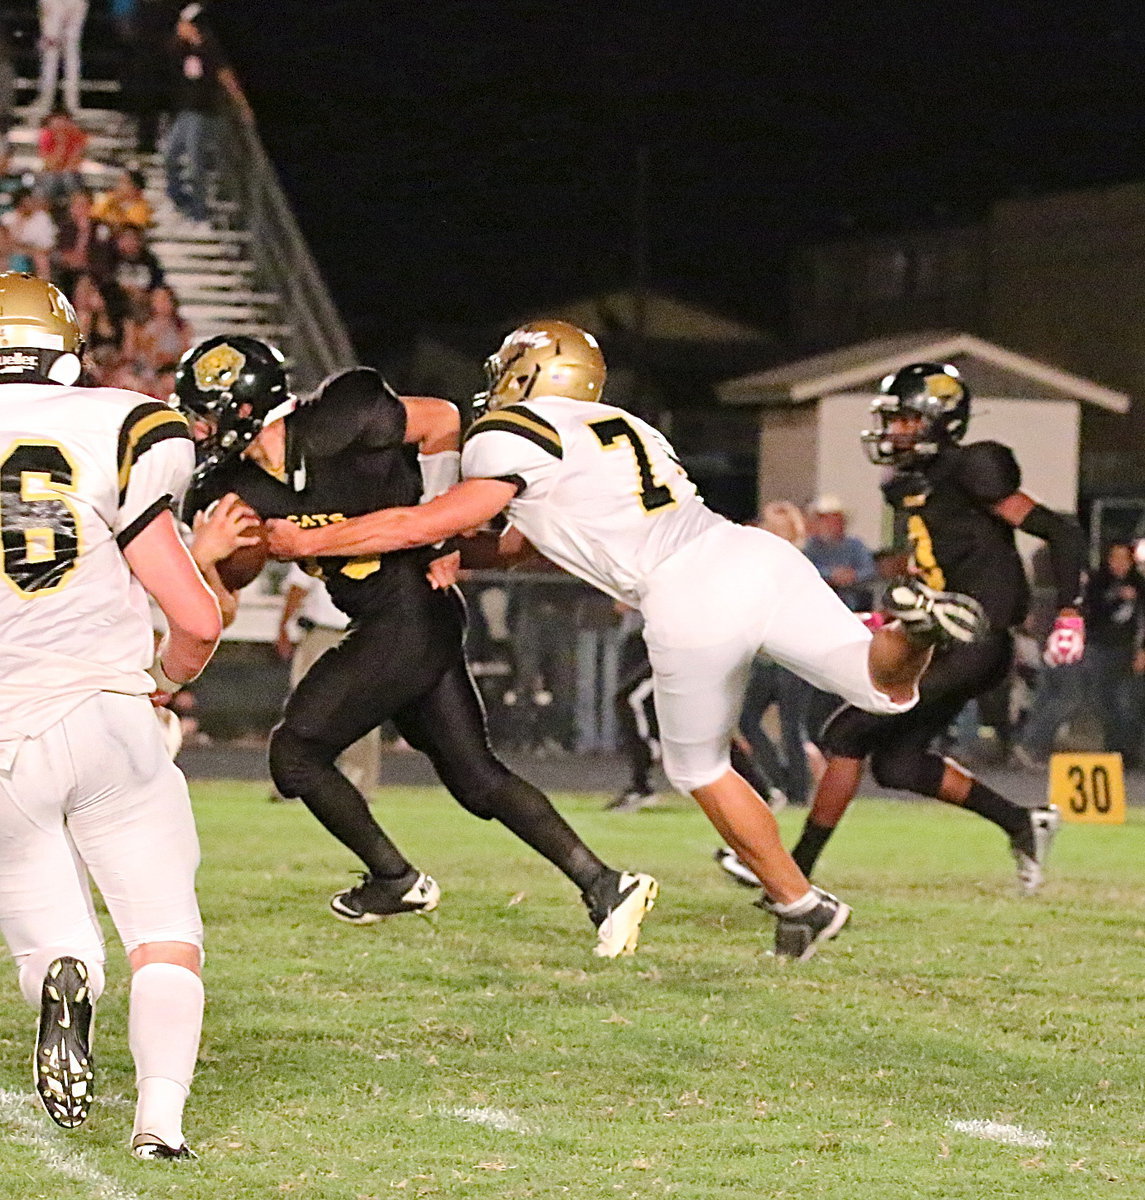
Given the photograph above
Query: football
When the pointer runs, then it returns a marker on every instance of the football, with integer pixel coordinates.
(243, 565)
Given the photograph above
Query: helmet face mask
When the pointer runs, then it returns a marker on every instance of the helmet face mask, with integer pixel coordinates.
(920, 409)
(230, 385)
(543, 358)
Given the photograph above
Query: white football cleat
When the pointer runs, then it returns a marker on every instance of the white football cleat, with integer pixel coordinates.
(616, 906)
(1031, 849)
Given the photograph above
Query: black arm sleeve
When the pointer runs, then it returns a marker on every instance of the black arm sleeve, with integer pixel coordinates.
(1066, 544)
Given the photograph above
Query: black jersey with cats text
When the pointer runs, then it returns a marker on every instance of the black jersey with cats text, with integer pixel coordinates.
(957, 544)
(345, 456)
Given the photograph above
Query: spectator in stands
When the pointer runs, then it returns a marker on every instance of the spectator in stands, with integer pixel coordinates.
(145, 76)
(310, 625)
(843, 561)
(11, 181)
(136, 270)
(33, 234)
(72, 256)
(61, 27)
(125, 204)
(100, 314)
(202, 77)
(164, 337)
(7, 85)
(63, 145)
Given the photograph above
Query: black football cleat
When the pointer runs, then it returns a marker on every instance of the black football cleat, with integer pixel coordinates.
(374, 899)
(933, 617)
(62, 1066)
(799, 937)
(152, 1148)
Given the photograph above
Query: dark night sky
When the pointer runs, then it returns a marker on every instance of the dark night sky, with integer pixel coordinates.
(463, 162)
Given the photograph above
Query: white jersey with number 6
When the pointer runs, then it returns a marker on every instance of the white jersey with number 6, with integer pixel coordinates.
(82, 472)
(600, 492)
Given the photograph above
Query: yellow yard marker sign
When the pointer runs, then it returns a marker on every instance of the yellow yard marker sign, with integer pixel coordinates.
(1088, 787)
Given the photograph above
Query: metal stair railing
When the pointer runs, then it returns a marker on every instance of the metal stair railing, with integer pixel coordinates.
(319, 344)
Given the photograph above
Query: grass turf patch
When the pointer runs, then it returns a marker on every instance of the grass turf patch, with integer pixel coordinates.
(486, 1052)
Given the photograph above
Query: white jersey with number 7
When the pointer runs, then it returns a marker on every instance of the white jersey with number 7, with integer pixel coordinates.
(599, 491)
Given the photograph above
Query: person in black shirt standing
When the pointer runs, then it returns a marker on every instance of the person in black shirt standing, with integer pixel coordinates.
(1114, 660)
(961, 506)
(351, 448)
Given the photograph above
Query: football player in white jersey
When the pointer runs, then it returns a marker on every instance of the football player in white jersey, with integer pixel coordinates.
(601, 493)
(87, 481)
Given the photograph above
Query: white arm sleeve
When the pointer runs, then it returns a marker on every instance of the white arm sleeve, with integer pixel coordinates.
(439, 472)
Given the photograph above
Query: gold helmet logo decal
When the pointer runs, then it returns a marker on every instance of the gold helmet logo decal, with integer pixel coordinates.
(943, 387)
(218, 370)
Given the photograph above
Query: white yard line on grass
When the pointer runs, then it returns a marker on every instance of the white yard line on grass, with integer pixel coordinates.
(1008, 1135)
(29, 1130)
(492, 1118)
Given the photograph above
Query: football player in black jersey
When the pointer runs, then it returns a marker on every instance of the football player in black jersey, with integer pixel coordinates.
(352, 447)
(962, 505)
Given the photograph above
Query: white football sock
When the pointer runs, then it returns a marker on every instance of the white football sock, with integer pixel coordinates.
(163, 1028)
(797, 908)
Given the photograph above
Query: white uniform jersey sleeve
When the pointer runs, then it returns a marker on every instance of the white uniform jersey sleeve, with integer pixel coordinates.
(600, 492)
(82, 471)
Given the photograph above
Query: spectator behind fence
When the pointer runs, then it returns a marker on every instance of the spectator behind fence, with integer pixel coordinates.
(101, 321)
(33, 234)
(1114, 659)
(843, 560)
(62, 145)
(124, 204)
(61, 28)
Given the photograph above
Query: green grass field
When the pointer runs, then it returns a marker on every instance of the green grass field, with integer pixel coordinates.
(488, 1053)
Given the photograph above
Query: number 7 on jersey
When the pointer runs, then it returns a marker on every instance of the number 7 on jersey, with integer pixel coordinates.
(610, 433)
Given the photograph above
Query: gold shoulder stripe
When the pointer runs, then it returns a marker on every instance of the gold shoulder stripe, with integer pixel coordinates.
(520, 421)
(152, 427)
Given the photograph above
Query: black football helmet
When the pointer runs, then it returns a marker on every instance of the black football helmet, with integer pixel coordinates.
(933, 391)
(233, 383)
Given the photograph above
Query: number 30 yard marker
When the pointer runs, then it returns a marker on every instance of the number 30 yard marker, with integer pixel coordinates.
(1088, 788)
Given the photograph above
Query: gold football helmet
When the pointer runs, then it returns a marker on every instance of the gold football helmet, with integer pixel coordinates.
(34, 312)
(543, 358)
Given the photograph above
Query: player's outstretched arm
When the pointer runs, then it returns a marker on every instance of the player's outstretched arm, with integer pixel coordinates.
(160, 561)
(467, 506)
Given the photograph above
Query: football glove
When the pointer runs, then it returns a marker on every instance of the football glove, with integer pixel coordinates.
(1066, 642)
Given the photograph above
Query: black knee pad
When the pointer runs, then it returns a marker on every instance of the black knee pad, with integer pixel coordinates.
(908, 770)
(849, 733)
(296, 763)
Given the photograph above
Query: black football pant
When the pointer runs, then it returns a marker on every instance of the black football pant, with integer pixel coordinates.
(898, 744)
(410, 669)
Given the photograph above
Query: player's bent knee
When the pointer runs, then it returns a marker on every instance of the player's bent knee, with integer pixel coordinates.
(847, 734)
(687, 773)
(34, 966)
(175, 952)
(907, 771)
(295, 762)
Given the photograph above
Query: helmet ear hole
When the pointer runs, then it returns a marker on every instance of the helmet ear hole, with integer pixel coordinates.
(65, 370)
